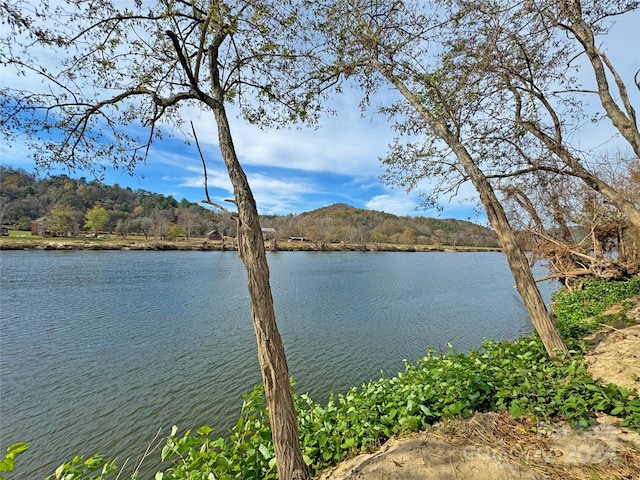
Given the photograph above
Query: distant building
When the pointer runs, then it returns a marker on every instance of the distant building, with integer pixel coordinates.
(43, 227)
(40, 226)
(268, 233)
(299, 239)
(214, 235)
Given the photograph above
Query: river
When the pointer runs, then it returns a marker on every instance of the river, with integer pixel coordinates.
(99, 350)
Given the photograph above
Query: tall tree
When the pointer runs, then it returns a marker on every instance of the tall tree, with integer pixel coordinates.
(95, 218)
(189, 218)
(118, 67)
(400, 43)
(536, 108)
(63, 219)
(527, 54)
(584, 20)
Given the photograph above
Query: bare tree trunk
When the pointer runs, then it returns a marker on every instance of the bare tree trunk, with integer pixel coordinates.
(273, 364)
(517, 195)
(617, 198)
(518, 263)
(622, 245)
(271, 355)
(559, 218)
(623, 120)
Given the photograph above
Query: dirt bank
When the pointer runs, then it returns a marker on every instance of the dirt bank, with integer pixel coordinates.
(494, 446)
(113, 243)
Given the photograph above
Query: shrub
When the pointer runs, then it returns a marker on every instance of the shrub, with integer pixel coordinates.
(574, 308)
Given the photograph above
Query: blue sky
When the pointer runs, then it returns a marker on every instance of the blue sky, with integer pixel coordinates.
(297, 170)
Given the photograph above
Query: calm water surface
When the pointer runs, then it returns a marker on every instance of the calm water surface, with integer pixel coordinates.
(98, 350)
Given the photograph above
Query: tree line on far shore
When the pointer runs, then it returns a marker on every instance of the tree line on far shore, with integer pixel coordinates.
(71, 202)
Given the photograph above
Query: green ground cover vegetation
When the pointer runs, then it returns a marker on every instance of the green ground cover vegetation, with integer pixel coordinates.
(515, 376)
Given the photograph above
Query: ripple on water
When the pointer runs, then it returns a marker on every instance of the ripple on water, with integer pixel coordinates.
(101, 349)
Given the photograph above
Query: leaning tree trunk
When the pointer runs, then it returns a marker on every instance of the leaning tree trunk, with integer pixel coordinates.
(518, 263)
(577, 169)
(273, 364)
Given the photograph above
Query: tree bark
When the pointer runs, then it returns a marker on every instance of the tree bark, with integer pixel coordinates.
(518, 263)
(616, 197)
(273, 364)
(556, 145)
(271, 355)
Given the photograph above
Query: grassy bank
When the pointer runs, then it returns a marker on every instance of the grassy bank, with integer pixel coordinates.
(516, 377)
(25, 241)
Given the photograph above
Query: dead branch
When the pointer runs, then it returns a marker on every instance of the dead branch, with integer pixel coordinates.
(208, 200)
(592, 260)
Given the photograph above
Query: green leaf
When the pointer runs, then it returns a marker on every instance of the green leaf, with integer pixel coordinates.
(167, 451)
(7, 464)
(516, 411)
(204, 430)
(425, 410)
(266, 453)
(19, 447)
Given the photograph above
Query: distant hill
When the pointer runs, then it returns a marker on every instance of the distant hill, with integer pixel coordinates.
(333, 210)
(24, 197)
(342, 222)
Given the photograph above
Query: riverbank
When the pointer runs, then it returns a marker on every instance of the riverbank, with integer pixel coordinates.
(496, 446)
(78, 243)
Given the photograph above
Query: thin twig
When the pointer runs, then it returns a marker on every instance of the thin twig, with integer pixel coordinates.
(609, 326)
(208, 201)
(556, 242)
(204, 165)
(149, 450)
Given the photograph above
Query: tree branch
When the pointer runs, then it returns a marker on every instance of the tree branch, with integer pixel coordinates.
(183, 61)
(208, 200)
(554, 241)
(622, 89)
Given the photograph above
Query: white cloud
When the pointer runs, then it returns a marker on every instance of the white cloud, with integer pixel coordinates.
(273, 195)
(215, 179)
(396, 203)
(347, 143)
(277, 195)
(15, 154)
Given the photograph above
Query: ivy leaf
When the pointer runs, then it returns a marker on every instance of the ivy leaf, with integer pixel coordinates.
(16, 448)
(516, 411)
(266, 453)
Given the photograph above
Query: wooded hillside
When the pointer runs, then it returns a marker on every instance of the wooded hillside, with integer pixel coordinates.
(25, 197)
